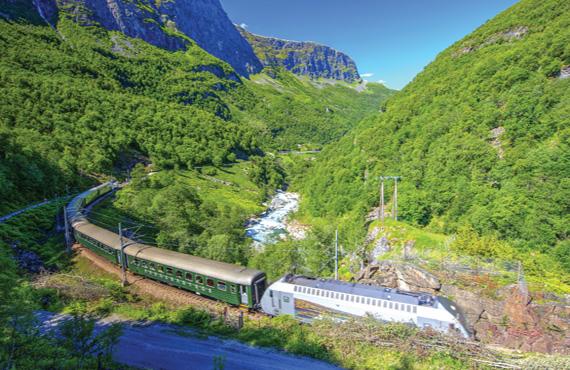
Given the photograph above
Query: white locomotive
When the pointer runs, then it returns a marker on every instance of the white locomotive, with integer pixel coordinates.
(308, 298)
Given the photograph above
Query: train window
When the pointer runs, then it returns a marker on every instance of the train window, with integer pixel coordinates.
(152, 266)
(368, 301)
(222, 286)
(135, 262)
(188, 276)
(352, 298)
(199, 279)
(396, 306)
(169, 270)
(233, 288)
(160, 268)
(295, 288)
(390, 305)
(210, 282)
(179, 274)
(385, 304)
(415, 309)
(408, 308)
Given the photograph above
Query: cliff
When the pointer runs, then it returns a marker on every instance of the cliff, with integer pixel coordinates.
(303, 58)
(168, 24)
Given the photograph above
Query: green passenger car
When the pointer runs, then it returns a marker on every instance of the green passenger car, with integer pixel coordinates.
(226, 282)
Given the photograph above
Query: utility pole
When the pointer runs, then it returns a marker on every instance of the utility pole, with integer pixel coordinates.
(395, 202)
(382, 201)
(123, 257)
(336, 254)
(67, 235)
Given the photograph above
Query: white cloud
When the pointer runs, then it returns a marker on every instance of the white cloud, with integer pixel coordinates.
(243, 25)
(365, 75)
(381, 82)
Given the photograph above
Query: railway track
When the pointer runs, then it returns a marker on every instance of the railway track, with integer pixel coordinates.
(171, 294)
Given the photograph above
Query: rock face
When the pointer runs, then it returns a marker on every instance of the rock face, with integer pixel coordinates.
(169, 24)
(514, 321)
(303, 58)
(401, 276)
(511, 319)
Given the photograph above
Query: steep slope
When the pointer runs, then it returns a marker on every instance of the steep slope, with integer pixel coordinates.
(298, 110)
(171, 25)
(84, 101)
(303, 58)
(480, 137)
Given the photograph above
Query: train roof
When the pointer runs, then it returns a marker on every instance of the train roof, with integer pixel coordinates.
(74, 207)
(394, 295)
(218, 270)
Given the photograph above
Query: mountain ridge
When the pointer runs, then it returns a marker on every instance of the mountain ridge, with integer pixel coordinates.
(306, 58)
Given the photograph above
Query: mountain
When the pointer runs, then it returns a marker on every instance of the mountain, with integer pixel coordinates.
(171, 25)
(303, 58)
(481, 137)
(80, 101)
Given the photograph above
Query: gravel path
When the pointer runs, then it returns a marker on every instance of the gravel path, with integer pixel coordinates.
(161, 346)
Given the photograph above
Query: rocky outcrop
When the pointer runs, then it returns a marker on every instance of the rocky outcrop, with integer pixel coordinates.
(511, 319)
(303, 58)
(508, 35)
(564, 72)
(400, 276)
(170, 25)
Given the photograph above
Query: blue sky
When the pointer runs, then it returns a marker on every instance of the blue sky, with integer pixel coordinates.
(390, 40)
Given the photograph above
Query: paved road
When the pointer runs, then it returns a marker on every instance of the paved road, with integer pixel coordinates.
(160, 346)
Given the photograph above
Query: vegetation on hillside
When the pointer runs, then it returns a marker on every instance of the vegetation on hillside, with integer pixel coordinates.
(201, 212)
(29, 243)
(481, 139)
(85, 101)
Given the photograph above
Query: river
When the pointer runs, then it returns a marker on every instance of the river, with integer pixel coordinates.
(271, 225)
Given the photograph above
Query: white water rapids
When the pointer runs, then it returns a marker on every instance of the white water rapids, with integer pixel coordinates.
(271, 226)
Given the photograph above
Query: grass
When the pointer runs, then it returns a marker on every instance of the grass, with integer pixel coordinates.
(237, 190)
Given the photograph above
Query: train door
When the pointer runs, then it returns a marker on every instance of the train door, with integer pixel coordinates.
(286, 303)
(243, 294)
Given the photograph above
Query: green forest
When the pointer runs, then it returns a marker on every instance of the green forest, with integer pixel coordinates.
(480, 138)
(84, 103)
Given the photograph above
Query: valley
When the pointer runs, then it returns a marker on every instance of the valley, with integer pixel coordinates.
(270, 156)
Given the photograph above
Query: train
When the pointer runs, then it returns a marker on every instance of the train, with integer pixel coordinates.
(303, 297)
